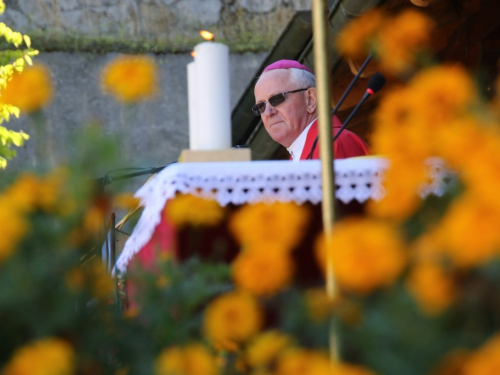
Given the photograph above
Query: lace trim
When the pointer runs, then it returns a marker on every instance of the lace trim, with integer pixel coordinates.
(263, 181)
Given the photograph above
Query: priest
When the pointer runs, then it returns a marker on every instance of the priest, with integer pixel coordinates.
(286, 100)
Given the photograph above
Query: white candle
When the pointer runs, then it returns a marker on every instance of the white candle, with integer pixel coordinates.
(193, 112)
(212, 96)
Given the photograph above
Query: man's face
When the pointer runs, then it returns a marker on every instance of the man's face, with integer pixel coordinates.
(285, 122)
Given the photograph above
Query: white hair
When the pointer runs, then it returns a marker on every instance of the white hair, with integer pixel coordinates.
(302, 78)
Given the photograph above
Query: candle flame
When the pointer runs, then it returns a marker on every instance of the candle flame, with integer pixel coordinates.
(207, 35)
(193, 54)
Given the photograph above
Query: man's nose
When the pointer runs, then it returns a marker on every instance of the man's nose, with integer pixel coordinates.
(270, 110)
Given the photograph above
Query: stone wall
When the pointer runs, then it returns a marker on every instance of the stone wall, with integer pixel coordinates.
(151, 18)
(154, 132)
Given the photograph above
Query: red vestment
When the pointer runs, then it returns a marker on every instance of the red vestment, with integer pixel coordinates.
(347, 145)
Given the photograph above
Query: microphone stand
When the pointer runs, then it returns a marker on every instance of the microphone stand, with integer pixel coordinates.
(342, 98)
(107, 179)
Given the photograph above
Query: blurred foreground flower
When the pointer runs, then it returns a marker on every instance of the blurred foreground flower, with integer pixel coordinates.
(486, 360)
(30, 90)
(193, 359)
(366, 254)
(265, 348)
(231, 319)
(425, 119)
(432, 287)
(45, 357)
(263, 271)
(130, 79)
(283, 224)
(187, 209)
(374, 32)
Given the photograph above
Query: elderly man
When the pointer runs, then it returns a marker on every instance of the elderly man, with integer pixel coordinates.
(286, 100)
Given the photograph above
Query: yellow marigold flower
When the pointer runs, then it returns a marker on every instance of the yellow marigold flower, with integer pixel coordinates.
(455, 234)
(44, 357)
(460, 138)
(486, 360)
(278, 223)
(265, 348)
(303, 362)
(401, 182)
(364, 262)
(29, 90)
(53, 196)
(439, 95)
(186, 209)
(193, 359)
(93, 221)
(23, 192)
(355, 39)
(14, 226)
(232, 318)
(131, 78)
(350, 369)
(263, 271)
(396, 50)
(432, 287)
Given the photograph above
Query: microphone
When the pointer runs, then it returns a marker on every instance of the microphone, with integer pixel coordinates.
(377, 81)
(344, 95)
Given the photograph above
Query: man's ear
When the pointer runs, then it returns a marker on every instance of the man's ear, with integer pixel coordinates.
(312, 100)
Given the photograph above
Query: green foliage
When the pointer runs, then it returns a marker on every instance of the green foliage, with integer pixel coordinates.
(9, 138)
(11, 61)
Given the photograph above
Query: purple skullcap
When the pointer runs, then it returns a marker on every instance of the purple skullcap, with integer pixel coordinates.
(286, 64)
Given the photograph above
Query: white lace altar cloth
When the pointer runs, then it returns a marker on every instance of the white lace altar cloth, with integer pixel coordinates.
(262, 181)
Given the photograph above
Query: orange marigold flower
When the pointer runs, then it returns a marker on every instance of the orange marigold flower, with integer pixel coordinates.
(355, 39)
(439, 95)
(186, 209)
(50, 356)
(192, 359)
(350, 369)
(455, 233)
(486, 360)
(397, 50)
(432, 287)
(303, 362)
(265, 348)
(29, 90)
(53, 195)
(401, 181)
(309, 362)
(131, 78)
(23, 192)
(14, 226)
(263, 271)
(93, 221)
(232, 318)
(279, 223)
(364, 262)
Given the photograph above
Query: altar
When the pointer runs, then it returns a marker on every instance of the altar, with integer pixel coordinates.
(237, 183)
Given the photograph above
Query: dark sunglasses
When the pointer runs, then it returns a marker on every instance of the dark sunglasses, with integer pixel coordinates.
(274, 100)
